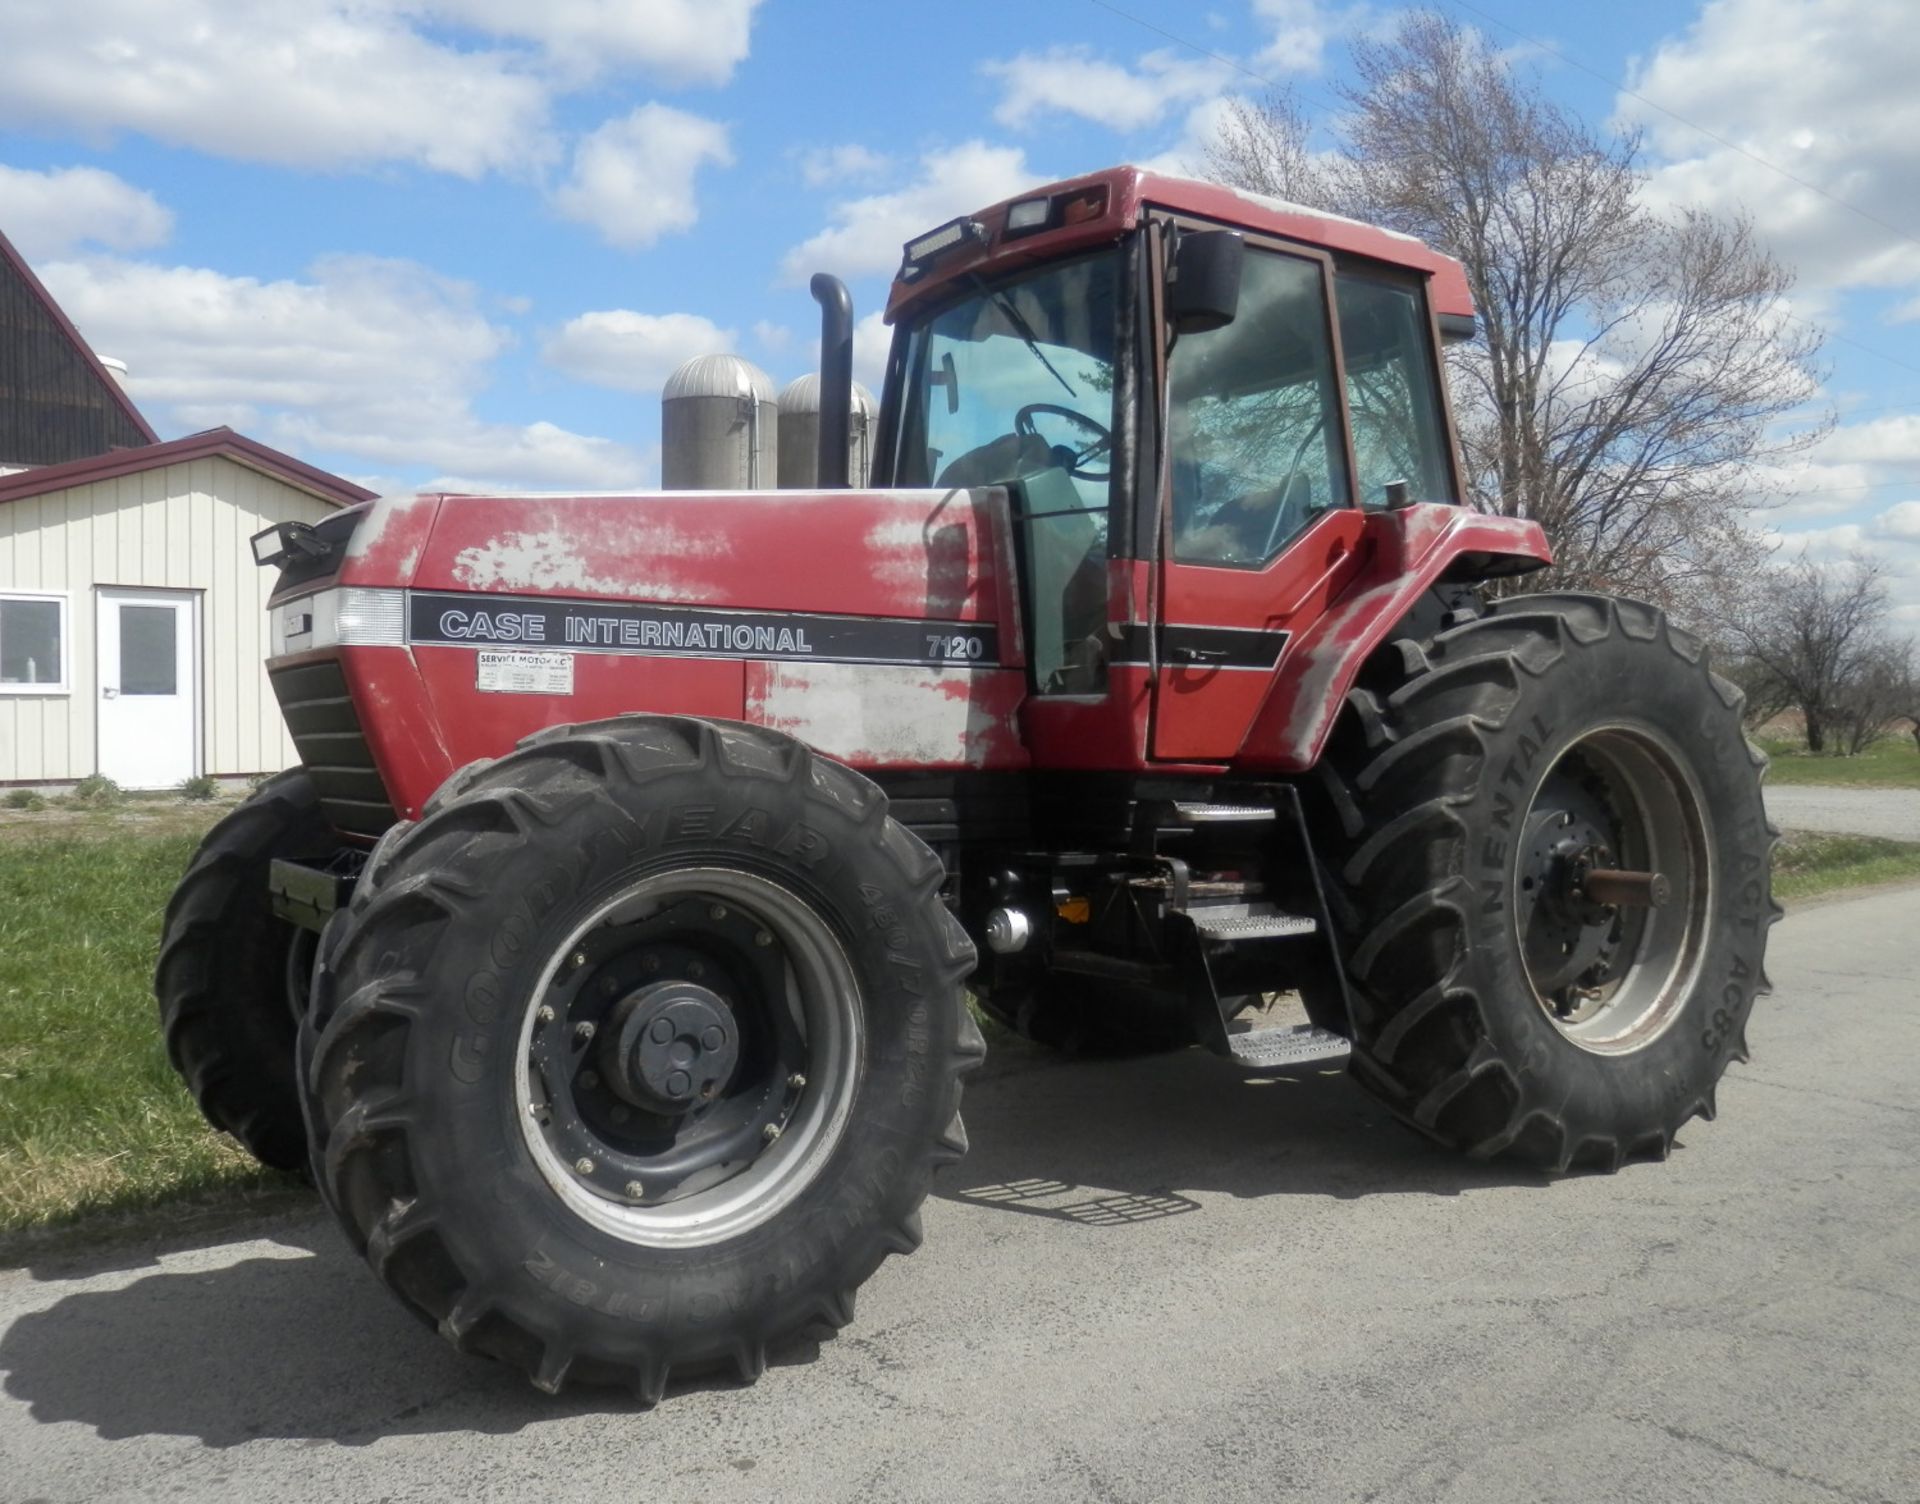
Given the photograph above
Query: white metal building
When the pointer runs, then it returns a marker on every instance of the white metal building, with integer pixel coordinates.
(132, 616)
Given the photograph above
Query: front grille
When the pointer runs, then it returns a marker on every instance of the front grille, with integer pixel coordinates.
(320, 717)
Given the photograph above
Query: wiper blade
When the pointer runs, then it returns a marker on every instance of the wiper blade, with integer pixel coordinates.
(1022, 328)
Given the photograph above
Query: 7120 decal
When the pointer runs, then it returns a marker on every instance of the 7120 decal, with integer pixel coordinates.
(955, 647)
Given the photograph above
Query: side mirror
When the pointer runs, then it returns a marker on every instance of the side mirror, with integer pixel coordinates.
(1203, 287)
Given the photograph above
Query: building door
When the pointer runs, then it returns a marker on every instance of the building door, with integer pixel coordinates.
(149, 686)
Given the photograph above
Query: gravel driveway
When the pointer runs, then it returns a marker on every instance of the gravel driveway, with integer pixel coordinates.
(1893, 813)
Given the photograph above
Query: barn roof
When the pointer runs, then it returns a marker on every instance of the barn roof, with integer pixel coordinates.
(214, 442)
(56, 398)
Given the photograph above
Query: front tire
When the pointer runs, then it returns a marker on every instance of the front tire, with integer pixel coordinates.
(231, 979)
(637, 1053)
(1497, 1008)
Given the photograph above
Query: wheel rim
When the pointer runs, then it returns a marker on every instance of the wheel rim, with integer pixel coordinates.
(1613, 976)
(689, 1057)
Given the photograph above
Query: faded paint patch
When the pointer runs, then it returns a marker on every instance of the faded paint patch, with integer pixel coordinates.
(1287, 206)
(928, 556)
(874, 715)
(640, 561)
(382, 513)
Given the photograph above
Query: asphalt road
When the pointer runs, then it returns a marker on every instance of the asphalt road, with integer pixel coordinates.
(1157, 1280)
(1893, 813)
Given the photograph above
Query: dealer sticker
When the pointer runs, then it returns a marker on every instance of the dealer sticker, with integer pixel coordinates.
(524, 673)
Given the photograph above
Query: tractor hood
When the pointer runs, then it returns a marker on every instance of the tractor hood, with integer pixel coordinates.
(832, 575)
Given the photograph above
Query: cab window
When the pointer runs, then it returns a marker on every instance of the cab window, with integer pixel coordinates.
(1393, 396)
(1254, 433)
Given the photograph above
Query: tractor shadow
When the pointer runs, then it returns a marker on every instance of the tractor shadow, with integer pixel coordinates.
(291, 1338)
(1113, 1143)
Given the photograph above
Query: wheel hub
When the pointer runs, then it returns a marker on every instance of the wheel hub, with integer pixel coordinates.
(669, 1046)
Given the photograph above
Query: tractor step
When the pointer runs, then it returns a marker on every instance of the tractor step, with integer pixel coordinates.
(1299, 1045)
(1222, 814)
(1246, 922)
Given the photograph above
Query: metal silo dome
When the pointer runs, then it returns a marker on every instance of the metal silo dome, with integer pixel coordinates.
(719, 426)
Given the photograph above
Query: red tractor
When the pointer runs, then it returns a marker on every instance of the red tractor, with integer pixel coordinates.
(607, 959)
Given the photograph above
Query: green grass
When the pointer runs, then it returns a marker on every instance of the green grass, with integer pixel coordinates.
(92, 1117)
(1893, 762)
(1806, 863)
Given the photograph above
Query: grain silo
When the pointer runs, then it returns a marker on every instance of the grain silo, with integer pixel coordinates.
(719, 426)
(800, 434)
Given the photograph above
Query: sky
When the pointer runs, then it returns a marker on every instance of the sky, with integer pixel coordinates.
(466, 241)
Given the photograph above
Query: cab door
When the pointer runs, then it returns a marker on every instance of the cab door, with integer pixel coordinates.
(1258, 527)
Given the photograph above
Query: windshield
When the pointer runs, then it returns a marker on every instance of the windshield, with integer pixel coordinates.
(1015, 382)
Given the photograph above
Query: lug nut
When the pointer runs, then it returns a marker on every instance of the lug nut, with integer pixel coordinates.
(545, 1015)
(538, 1112)
(579, 959)
(583, 1165)
(583, 1031)
(651, 964)
(770, 1132)
(696, 970)
(619, 1114)
(589, 1080)
(763, 937)
(718, 911)
(635, 1190)
(796, 1081)
(610, 986)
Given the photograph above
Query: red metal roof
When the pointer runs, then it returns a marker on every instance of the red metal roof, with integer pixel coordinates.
(66, 327)
(195, 446)
(1132, 189)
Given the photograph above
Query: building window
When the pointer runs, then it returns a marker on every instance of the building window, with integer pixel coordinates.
(33, 644)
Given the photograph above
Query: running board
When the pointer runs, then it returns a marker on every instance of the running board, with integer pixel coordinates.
(1222, 814)
(1272, 925)
(1300, 1045)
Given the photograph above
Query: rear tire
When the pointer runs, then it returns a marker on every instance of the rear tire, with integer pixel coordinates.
(228, 966)
(1455, 766)
(456, 1057)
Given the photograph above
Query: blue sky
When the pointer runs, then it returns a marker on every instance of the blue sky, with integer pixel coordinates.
(414, 240)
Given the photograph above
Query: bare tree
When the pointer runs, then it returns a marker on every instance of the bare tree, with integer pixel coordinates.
(1635, 367)
(1810, 637)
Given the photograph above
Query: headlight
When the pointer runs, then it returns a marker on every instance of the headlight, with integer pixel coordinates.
(348, 616)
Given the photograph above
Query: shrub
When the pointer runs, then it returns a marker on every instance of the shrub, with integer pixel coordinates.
(26, 799)
(198, 790)
(96, 791)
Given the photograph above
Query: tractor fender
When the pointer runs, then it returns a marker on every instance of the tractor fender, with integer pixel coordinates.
(1410, 550)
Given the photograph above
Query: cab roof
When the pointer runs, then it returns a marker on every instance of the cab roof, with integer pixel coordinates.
(1132, 191)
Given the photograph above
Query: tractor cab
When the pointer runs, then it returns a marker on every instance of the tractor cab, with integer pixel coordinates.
(1195, 399)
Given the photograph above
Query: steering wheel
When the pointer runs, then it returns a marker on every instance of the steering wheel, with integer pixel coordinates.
(1286, 488)
(1023, 425)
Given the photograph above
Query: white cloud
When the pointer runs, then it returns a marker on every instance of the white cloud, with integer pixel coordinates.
(1301, 30)
(820, 165)
(47, 214)
(872, 340)
(1072, 81)
(311, 85)
(633, 352)
(1902, 521)
(771, 337)
(374, 359)
(458, 86)
(678, 41)
(867, 233)
(633, 178)
(1187, 157)
(1820, 88)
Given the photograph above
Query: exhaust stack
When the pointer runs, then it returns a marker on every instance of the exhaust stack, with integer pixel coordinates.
(836, 379)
